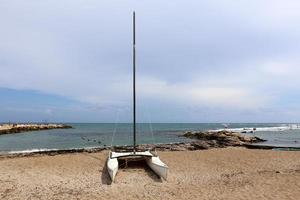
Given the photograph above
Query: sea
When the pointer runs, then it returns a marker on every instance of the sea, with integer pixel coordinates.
(90, 135)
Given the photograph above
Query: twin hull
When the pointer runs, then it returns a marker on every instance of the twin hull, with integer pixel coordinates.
(160, 168)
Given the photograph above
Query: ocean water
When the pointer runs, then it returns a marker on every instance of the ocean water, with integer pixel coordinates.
(85, 135)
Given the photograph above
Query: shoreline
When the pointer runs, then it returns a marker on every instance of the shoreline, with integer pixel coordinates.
(200, 140)
(168, 147)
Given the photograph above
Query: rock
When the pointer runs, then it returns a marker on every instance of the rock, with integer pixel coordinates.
(219, 139)
(200, 145)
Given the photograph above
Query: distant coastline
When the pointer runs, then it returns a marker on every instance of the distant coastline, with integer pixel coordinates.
(18, 128)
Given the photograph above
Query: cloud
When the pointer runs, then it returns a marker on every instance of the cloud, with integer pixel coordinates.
(212, 56)
(200, 94)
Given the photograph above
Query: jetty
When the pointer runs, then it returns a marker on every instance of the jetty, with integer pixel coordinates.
(18, 128)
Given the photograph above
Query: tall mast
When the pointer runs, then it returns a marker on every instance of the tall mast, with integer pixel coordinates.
(134, 120)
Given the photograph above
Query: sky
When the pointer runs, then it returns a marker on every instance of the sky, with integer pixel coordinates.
(197, 61)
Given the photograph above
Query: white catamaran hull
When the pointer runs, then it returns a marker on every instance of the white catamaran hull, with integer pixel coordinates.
(160, 168)
(112, 167)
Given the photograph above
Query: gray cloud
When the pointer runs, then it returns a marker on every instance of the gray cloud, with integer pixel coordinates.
(230, 60)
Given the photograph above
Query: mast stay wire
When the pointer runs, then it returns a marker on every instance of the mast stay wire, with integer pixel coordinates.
(150, 127)
(115, 127)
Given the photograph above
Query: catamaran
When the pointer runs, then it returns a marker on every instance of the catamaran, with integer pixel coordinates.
(152, 160)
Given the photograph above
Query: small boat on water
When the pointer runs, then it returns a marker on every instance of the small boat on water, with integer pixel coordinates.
(152, 159)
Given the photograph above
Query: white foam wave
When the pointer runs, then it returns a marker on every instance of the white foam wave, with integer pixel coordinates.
(48, 150)
(258, 129)
(32, 151)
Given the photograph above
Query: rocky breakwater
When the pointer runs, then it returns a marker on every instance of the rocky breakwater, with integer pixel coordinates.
(18, 128)
(219, 139)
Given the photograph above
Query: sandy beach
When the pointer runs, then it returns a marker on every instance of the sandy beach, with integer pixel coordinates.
(229, 173)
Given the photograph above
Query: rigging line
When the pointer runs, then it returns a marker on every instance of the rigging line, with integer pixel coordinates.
(150, 126)
(115, 127)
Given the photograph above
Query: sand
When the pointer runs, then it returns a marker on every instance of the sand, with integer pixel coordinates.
(230, 173)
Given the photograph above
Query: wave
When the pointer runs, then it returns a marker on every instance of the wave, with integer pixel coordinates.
(260, 129)
(45, 150)
(31, 151)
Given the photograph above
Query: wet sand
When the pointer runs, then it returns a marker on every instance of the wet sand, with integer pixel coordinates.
(230, 173)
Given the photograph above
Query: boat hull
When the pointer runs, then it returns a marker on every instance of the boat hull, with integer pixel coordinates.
(154, 162)
(112, 167)
(160, 168)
